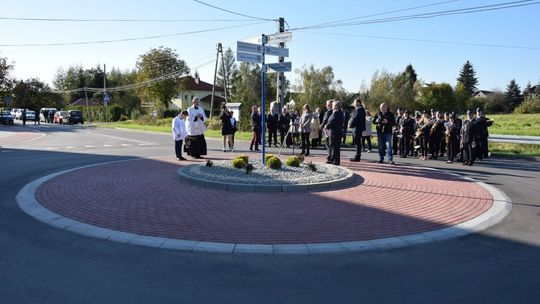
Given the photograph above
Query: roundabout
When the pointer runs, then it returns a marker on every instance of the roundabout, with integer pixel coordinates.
(143, 202)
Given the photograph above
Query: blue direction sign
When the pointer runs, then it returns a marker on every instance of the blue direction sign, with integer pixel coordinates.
(249, 57)
(280, 66)
(276, 51)
(245, 47)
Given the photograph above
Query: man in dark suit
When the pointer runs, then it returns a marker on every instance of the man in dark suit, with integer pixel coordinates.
(358, 125)
(324, 121)
(335, 128)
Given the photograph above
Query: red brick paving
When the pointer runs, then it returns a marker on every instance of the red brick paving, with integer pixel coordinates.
(146, 197)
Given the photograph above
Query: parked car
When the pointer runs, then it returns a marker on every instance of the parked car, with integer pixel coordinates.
(75, 117)
(60, 117)
(30, 115)
(13, 112)
(6, 117)
(44, 114)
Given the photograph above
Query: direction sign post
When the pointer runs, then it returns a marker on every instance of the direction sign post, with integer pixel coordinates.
(263, 102)
(254, 53)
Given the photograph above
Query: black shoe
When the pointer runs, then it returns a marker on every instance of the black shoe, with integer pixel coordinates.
(257, 149)
(465, 164)
(381, 161)
(356, 159)
(329, 161)
(199, 157)
(180, 158)
(250, 149)
(470, 164)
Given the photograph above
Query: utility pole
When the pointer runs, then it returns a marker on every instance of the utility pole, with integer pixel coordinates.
(225, 87)
(105, 89)
(215, 78)
(280, 94)
(87, 110)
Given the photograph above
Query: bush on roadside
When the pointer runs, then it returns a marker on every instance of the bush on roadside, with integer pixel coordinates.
(268, 156)
(273, 163)
(293, 161)
(238, 163)
(244, 157)
(214, 123)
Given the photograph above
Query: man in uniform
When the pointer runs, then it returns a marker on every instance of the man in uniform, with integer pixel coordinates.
(406, 129)
(482, 124)
(467, 139)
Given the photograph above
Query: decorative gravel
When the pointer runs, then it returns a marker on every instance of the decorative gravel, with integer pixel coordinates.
(223, 171)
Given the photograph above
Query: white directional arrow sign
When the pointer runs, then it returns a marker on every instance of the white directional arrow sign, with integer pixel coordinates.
(279, 37)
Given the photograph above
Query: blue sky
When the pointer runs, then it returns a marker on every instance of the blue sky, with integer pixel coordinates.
(354, 56)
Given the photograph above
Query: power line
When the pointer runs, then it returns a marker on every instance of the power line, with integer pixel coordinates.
(118, 20)
(234, 13)
(426, 40)
(468, 10)
(129, 39)
(390, 12)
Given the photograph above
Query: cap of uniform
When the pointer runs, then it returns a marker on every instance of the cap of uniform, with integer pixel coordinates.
(407, 112)
(479, 110)
(469, 112)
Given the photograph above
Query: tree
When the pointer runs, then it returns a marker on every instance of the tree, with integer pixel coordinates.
(164, 66)
(467, 76)
(439, 96)
(513, 97)
(380, 90)
(227, 70)
(5, 79)
(317, 85)
(528, 90)
(34, 94)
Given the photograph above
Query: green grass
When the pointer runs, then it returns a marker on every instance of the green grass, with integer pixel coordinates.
(515, 124)
(167, 129)
(518, 150)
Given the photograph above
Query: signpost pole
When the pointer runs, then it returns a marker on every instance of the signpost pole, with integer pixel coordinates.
(105, 89)
(263, 102)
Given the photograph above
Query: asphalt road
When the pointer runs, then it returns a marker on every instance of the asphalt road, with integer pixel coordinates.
(41, 264)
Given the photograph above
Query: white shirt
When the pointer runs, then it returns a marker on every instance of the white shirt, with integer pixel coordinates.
(195, 128)
(179, 129)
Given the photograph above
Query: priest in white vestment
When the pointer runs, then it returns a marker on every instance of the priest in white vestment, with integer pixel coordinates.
(195, 142)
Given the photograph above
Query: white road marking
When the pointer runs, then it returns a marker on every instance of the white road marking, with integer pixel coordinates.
(127, 139)
(89, 146)
(51, 148)
(107, 145)
(69, 147)
(126, 145)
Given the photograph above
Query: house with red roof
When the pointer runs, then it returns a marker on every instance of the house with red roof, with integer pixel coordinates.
(194, 87)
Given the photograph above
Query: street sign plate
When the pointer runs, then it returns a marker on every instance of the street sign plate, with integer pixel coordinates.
(249, 57)
(281, 66)
(245, 47)
(279, 37)
(106, 98)
(276, 51)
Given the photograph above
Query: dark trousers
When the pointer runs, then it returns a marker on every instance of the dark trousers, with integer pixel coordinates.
(335, 149)
(328, 149)
(359, 148)
(368, 139)
(178, 148)
(282, 133)
(468, 153)
(255, 139)
(483, 151)
(395, 143)
(404, 145)
(452, 148)
(305, 143)
(442, 147)
(424, 145)
(435, 146)
(272, 133)
(344, 135)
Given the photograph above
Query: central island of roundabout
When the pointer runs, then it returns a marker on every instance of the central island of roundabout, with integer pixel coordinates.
(200, 206)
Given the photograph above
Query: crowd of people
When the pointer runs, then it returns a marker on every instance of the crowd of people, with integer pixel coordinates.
(427, 135)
